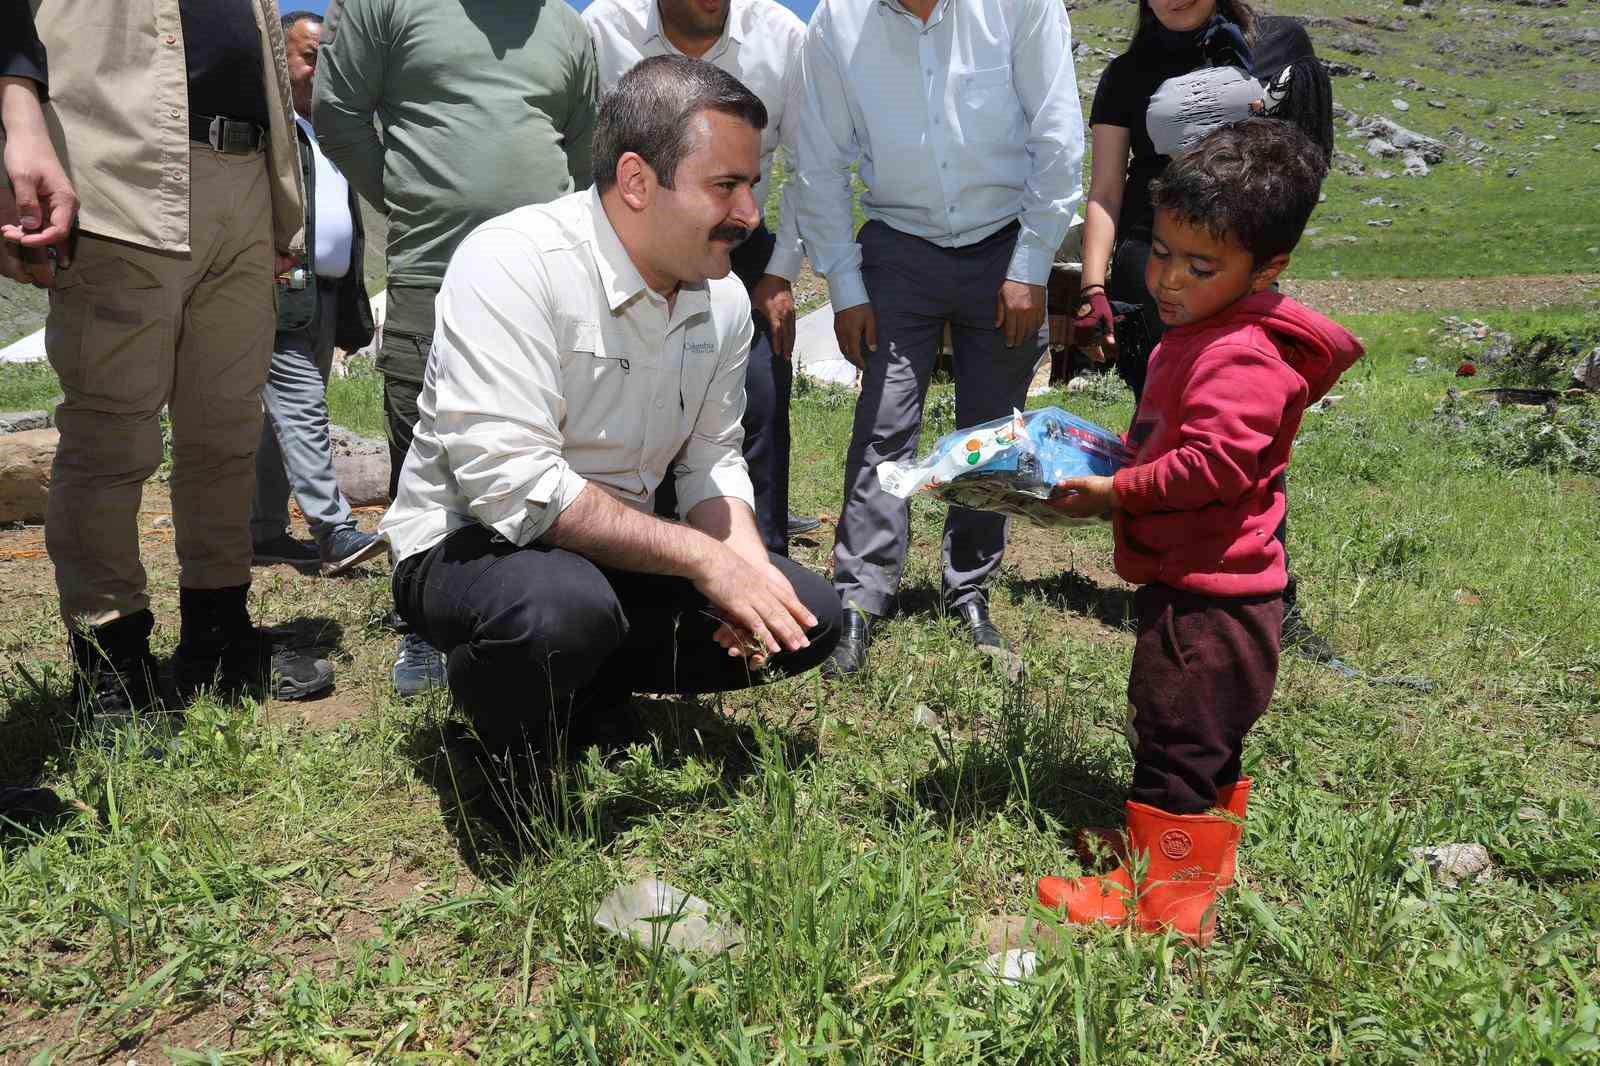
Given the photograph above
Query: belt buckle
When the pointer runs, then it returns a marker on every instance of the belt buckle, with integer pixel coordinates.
(233, 138)
(214, 133)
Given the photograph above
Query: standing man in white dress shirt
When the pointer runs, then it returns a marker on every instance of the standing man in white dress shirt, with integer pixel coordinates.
(581, 358)
(758, 42)
(964, 118)
(328, 307)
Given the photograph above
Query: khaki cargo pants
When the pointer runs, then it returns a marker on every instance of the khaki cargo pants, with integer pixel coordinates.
(132, 331)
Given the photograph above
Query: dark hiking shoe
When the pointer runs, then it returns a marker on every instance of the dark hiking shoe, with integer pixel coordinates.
(1302, 640)
(284, 549)
(988, 640)
(115, 678)
(221, 647)
(419, 668)
(850, 654)
(347, 548)
(800, 525)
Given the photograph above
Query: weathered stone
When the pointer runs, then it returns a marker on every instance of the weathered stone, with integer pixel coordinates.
(1381, 148)
(18, 421)
(25, 460)
(362, 465)
(1587, 370)
(1415, 166)
(1455, 863)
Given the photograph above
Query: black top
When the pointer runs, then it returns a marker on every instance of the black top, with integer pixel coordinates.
(1166, 98)
(21, 51)
(222, 49)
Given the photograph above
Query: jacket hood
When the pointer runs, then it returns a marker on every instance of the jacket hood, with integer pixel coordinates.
(1318, 348)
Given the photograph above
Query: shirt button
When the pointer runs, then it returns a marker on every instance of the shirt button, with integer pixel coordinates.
(171, 39)
(176, 113)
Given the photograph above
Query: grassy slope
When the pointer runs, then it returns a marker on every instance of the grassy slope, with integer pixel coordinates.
(317, 894)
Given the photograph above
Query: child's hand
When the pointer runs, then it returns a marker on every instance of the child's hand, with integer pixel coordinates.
(1085, 497)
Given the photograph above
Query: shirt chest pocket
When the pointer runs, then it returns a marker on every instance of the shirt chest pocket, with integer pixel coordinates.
(987, 106)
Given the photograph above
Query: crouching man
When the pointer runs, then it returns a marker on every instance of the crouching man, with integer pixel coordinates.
(586, 350)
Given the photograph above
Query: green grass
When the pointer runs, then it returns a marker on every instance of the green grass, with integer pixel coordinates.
(28, 387)
(277, 892)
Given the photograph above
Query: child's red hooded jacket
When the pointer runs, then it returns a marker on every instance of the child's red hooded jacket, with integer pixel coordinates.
(1204, 496)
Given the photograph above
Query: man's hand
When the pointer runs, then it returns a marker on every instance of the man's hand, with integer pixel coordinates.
(37, 215)
(1085, 497)
(283, 263)
(851, 327)
(773, 298)
(760, 612)
(1020, 311)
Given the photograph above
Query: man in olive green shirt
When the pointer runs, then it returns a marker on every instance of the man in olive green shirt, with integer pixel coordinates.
(447, 114)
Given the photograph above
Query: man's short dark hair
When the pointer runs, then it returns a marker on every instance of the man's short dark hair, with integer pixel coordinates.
(652, 107)
(295, 16)
(1253, 182)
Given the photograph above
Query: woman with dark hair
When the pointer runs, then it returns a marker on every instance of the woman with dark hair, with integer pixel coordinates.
(1188, 70)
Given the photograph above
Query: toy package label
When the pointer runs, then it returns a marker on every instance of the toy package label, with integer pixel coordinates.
(1011, 465)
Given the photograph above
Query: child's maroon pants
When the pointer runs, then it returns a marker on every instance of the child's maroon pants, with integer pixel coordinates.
(1203, 672)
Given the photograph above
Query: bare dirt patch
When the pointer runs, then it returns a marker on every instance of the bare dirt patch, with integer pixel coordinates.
(1367, 295)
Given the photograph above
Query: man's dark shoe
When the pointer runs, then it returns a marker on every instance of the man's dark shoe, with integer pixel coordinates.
(800, 525)
(284, 549)
(419, 668)
(115, 678)
(37, 809)
(348, 547)
(974, 614)
(1302, 640)
(850, 654)
(220, 646)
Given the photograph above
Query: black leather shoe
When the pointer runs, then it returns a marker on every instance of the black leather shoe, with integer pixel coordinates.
(800, 525)
(850, 654)
(987, 639)
(115, 677)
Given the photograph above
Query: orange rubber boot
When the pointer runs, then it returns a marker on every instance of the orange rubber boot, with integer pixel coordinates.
(1097, 843)
(1184, 858)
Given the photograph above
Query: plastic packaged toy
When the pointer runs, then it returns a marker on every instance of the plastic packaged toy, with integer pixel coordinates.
(1011, 465)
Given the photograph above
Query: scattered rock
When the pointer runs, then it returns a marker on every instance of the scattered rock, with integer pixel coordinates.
(25, 460)
(1340, 69)
(21, 421)
(1421, 365)
(1436, 103)
(1354, 44)
(1380, 223)
(1415, 166)
(1014, 965)
(651, 912)
(162, 522)
(1327, 403)
(1400, 105)
(1530, 814)
(1381, 148)
(1586, 372)
(1454, 863)
(924, 717)
(1382, 129)
(362, 465)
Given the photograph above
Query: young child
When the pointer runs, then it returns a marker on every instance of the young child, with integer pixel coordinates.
(1195, 514)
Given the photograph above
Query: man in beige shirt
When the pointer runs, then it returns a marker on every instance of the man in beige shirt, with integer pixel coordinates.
(581, 358)
(173, 120)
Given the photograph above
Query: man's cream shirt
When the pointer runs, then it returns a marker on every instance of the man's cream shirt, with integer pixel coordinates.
(553, 366)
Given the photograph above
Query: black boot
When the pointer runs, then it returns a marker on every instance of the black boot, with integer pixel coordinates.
(220, 646)
(987, 639)
(115, 676)
(850, 654)
(1298, 636)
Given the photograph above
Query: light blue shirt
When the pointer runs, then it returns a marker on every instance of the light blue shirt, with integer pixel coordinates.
(961, 126)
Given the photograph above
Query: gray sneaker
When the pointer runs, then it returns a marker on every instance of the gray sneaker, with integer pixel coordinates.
(346, 548)
(419, 668)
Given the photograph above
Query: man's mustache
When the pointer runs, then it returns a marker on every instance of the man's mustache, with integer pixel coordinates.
(736, 234)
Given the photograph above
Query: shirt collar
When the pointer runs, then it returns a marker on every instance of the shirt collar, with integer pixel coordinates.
(730, 29)
(935, 17)
(622, 281)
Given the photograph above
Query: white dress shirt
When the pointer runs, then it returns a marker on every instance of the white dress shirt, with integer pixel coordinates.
(961, 125)
(335, 231)
(760, 46)
(554, 366)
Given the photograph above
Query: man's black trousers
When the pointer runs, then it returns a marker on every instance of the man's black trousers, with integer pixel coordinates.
(535, 632)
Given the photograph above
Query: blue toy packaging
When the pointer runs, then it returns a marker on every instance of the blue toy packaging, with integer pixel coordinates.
(1011, 465)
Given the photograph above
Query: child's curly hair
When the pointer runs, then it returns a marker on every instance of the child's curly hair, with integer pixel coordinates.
(1254, 182)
